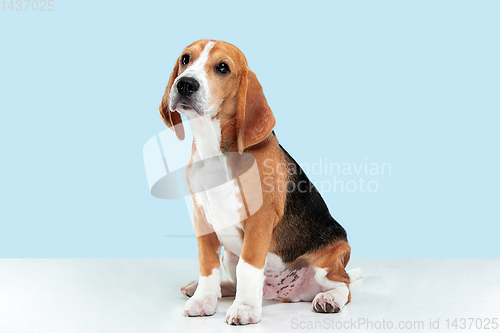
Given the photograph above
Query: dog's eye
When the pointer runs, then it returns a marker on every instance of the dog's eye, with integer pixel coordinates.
(223, 68)
(185, 59)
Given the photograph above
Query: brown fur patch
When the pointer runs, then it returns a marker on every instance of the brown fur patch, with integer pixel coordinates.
(208, 253)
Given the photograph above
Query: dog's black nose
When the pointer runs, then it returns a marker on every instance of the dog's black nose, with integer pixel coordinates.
(187, 86)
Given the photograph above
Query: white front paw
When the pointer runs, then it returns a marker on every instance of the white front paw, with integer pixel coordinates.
(243, 314)
(204, 305)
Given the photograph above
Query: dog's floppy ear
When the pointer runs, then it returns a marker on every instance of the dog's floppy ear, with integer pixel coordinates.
(171, 118)
(254, 118)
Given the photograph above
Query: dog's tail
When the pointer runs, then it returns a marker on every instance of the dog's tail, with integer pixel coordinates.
(354, 274)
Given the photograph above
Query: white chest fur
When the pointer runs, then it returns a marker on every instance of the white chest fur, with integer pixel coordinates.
(213, 186)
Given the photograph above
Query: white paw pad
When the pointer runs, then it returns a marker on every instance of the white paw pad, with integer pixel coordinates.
(242, 314)
(201, 306)
(326, 303)
(189, 288)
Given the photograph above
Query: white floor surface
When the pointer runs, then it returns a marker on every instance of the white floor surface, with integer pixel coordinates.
(142, 295)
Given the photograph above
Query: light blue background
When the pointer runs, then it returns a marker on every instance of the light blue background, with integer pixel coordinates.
(414, 84)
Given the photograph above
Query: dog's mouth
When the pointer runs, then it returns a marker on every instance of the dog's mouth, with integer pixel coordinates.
(184, 108)
(188, 110)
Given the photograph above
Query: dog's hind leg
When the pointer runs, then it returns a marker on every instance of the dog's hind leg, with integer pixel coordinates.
(329, 267)
(189, 288)
(228, 285)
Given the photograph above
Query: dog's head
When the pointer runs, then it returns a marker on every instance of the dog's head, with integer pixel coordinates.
(211, 79)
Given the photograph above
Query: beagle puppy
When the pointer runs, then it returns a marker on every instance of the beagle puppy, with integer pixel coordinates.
(290, 248)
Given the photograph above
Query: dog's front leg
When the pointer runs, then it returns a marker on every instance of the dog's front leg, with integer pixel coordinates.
(247, 305)
(207, 294)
